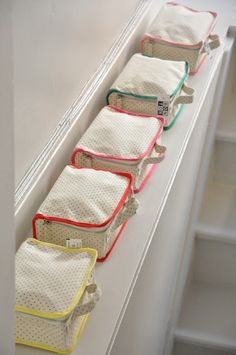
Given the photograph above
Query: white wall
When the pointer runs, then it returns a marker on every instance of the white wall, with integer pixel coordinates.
(6, 184)
(58, 45)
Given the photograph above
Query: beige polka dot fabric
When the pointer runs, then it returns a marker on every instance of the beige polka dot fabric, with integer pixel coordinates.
(151, 86)
(143, 106)
(120, 141)
(55, 290)
(84, 205)
(176, 35)
(85, 195)
(153, 48)
(150, 76)
(57, 233)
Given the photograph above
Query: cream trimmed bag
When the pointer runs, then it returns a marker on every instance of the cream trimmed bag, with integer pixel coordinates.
(55, 292)
(86, 207)
(121, 141)
(181, 33)
(152, 86)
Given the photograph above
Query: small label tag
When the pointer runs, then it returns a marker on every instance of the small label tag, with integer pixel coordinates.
(163, 107)
(73, 243)
(208, 49)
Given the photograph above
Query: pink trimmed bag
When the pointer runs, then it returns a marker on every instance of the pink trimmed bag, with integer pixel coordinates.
(181, 33)
(86, 208)
(122, 141)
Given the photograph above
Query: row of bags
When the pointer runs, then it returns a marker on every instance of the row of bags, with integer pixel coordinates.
(87, 209)
(94, 196)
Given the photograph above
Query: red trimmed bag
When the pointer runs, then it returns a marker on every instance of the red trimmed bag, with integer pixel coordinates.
(118, 140)
(181, 33)
(86, 208)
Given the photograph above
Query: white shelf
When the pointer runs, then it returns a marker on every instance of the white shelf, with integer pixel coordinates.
(118, 275)
(226, 130)
(218, 213)
(208, 316)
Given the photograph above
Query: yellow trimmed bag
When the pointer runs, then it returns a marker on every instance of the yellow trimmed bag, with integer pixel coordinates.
(55, 291)
(86, 207)
(118, 140)
(152, 86)
(181, 33)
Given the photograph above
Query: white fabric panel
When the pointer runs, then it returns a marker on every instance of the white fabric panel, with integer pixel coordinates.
(84, 195)
(179, 24)
(150, 76)
(119, 134)
(51, 278)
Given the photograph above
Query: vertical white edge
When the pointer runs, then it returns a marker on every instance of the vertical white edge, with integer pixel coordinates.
(185, 272)
(7, 247)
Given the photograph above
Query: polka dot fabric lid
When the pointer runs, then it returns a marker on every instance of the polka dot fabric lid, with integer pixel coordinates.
(150, 77)
(182, 25)
(117, 134)
(86, 197)
(50, 279)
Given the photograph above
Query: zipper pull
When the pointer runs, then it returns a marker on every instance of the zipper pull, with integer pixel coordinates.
(207, 47)
(45, 221)
(67, 328)
(89, 160)
(119, 101)
(149, 47)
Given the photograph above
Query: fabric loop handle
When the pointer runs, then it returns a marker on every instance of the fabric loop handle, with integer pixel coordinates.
(187, 89)
(129, 209)
(213, 43)
(185, 99)
(93, 294)
(161, 150)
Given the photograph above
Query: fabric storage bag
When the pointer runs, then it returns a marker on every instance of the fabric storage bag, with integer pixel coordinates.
(55, 291)
(86, 207)
(152, 86)
(122, 141)
(181, 33)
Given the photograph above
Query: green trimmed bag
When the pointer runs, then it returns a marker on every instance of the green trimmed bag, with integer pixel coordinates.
(55, 291)
(152, 86)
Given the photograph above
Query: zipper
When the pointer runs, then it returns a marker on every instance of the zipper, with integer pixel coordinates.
(153, 99)
(151, 40)
(53, 321)
(67, 329)
(168, 100)
(66, 322)
(97, 230)
(113, 161)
